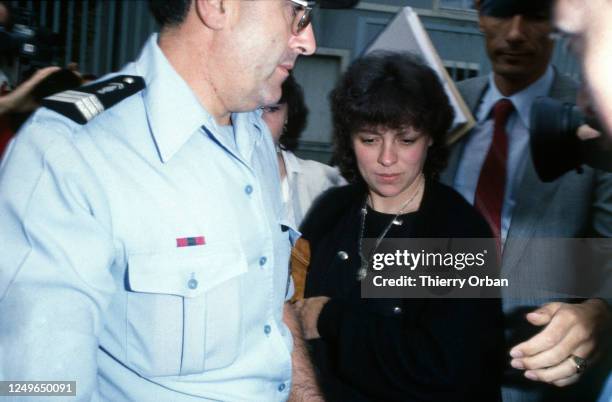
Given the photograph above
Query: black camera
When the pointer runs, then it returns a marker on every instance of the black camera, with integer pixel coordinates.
(31, 48)
(555, 146)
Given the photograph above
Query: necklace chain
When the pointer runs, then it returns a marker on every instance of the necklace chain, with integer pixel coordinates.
(363, 269)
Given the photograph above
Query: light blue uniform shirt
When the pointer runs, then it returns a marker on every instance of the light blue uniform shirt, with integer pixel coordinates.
(93, 287)
(517, 129)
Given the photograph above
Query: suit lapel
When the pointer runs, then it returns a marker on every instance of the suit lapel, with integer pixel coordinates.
(533, 194)
(448, 175)
(532, 198)
(472, 95)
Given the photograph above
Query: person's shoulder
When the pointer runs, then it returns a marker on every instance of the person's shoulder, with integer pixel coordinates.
(44, 130)
(326, 209)
(334, 199)
(476, 83)
(447, 198)
(84, 104)
(65, 117)
(317, 171)
(456, 213)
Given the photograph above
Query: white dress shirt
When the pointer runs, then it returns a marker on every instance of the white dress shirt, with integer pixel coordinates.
(305, 181)
(478, 143)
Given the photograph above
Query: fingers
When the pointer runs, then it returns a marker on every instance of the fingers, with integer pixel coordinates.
(586, 132)
(544, 314)
(557, 329)
(571, 330)
(574, 343)
(567, 381)
(309, 311)
(546, 339)
(42, 74)
(560, 375)
(555, 356)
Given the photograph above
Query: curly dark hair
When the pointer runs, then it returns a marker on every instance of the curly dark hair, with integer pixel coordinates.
(297, 113)
(169, 12)
(392, 90)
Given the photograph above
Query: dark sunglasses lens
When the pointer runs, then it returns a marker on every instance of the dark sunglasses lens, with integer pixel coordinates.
(304, 21)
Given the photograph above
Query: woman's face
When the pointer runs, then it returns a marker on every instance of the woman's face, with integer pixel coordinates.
(390, 160)
(275, 117)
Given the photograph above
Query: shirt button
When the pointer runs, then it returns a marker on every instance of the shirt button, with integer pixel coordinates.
(192, 283)
(267, 329)
(281, 387)
(248, 189)
(397, 310)
(262, 261)
(343, 255)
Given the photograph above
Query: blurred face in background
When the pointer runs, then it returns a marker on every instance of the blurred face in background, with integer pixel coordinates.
(588, 23)
(390, 161)
(519, 47)
(275, 117)
(4, 14)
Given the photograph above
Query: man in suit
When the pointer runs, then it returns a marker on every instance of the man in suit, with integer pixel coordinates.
(492, 168)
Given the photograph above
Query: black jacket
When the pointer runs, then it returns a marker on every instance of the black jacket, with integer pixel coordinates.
(444, 350)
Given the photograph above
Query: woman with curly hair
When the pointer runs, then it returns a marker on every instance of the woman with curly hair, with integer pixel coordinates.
(390, 116)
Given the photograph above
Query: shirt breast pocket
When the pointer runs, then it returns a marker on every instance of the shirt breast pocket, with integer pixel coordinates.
(183, 310)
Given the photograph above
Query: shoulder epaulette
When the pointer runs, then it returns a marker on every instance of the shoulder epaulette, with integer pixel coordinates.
(85, 103)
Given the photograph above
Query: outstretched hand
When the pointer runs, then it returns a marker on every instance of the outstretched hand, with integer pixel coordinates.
(570, 330)
(21, 100)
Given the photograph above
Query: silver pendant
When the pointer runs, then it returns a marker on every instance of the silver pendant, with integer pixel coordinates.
(398, 222)
(363, 271)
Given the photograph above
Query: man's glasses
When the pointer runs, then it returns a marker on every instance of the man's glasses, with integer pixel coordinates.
(302, 15)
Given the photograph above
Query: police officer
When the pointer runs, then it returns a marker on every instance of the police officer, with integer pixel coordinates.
(143, 250)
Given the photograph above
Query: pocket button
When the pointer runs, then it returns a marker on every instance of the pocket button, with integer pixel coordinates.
(192, 284)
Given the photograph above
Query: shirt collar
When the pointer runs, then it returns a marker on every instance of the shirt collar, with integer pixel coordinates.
(291, 162)
(522, 100)
(173, 110)
(175, 113)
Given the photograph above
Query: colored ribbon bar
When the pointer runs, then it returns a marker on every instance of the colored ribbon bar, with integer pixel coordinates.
(190, 241)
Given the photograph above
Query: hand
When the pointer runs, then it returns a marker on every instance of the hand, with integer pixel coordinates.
(20, 100)
(571, 329)
(304, 381)
(586, 132)
(290, 318)
(309, 310)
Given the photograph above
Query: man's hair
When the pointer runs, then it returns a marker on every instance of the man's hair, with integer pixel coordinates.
(394, 91)
(297, 112)
(169, 12)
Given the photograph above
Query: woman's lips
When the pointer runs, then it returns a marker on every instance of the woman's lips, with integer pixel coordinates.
(387, 177)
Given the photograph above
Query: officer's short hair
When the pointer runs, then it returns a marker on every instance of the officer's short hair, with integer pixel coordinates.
(169, 12)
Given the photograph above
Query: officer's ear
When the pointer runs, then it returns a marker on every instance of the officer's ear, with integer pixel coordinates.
(211, 13)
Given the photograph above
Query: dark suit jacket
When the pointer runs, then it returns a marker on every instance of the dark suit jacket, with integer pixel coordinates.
(573, 206)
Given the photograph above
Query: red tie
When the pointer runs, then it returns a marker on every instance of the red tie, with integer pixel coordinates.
(489, 198)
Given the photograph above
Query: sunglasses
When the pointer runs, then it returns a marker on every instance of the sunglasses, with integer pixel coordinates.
(302, 15)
